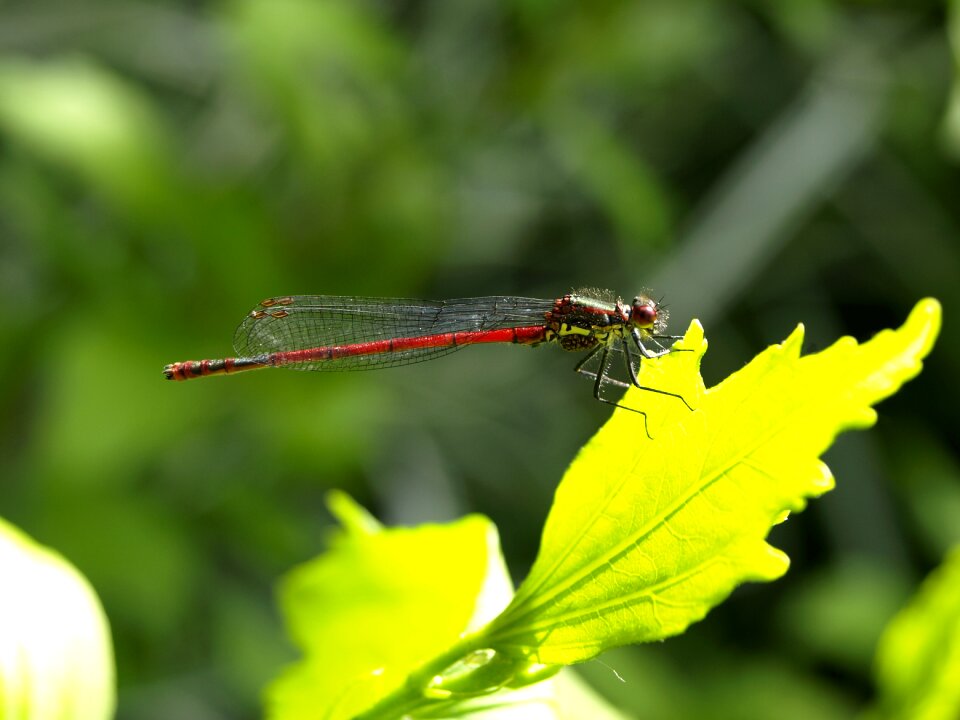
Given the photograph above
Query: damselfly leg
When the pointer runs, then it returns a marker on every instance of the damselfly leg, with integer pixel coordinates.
(602, 375)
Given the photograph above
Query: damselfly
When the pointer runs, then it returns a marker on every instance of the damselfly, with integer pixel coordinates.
(323, 332)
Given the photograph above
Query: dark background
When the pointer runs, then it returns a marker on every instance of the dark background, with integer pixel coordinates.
(166, 165)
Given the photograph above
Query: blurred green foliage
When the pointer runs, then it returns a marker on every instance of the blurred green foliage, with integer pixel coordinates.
(918, 659)
(165, 165)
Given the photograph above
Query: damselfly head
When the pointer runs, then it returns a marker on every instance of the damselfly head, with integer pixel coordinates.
(647, 314)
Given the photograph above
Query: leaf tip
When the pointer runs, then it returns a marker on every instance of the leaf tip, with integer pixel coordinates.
(865, 418)
(825, 482)
(351, 515)
(771, 564)
(791, 346)
(923, 323)
(693, 338)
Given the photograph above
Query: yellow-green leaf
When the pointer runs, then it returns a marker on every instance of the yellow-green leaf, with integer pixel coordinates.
(380, 603)
(647, 535)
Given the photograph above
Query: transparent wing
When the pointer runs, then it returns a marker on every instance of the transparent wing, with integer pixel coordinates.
(303, 322)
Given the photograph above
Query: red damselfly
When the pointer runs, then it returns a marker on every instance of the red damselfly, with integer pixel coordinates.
(323, 332)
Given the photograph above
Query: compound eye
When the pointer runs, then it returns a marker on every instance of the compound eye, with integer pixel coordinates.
(644, 313)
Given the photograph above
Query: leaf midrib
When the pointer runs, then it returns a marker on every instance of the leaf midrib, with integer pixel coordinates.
(584, 573)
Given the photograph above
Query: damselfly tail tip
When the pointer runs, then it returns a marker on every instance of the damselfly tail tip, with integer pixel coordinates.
(170, 370)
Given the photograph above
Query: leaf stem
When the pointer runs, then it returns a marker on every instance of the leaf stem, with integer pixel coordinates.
(412, 694)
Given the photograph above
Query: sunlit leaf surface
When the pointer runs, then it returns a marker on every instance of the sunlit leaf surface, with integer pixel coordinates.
(646, 535)
(380, 603)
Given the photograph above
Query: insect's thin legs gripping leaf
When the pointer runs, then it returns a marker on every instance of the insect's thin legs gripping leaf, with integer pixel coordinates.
(601, 376)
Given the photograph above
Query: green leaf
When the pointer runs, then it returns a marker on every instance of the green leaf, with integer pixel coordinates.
(647, 535)
(380, 603)
(918, 659)
(56, 659)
